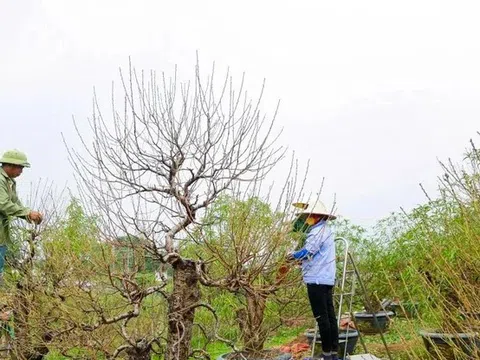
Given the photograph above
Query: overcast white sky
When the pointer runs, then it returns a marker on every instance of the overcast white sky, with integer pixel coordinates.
(372, 91)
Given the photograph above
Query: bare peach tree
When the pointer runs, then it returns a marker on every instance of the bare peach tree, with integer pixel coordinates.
(72, 294)
(21, 280)
(156, 164)
(246, 243)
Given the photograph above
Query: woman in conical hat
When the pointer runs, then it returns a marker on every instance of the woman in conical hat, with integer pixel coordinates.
(317, 259)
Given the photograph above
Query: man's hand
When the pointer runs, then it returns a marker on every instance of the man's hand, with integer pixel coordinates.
(36, 217)
(290, 258)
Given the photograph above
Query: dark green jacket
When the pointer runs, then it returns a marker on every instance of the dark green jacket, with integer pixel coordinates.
(10, 206)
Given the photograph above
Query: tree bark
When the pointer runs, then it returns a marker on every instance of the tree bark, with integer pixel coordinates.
(181, 310)
(139, 353)
(251, 322)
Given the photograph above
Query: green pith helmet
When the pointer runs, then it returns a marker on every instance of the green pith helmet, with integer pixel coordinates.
(15, 157)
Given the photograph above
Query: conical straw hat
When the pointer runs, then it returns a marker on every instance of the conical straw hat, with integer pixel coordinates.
(318, 208)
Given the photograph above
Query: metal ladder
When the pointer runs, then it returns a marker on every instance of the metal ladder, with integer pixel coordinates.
(350, 277)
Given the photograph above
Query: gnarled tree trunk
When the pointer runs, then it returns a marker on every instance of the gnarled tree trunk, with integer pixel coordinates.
(181, 310)
(139, 353)
(251, 322)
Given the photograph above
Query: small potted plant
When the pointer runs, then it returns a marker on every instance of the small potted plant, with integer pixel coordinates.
(374, 319)
(458, 335)
(404, 309)
(453, 340)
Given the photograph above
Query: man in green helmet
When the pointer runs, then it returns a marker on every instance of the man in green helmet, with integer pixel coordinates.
(13, 162)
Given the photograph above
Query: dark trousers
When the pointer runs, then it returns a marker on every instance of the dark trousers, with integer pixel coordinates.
(321, 301)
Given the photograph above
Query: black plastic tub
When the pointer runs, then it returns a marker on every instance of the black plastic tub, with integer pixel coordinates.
(349, 339)
(410, 310)
(451, 345)
(369, 323)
